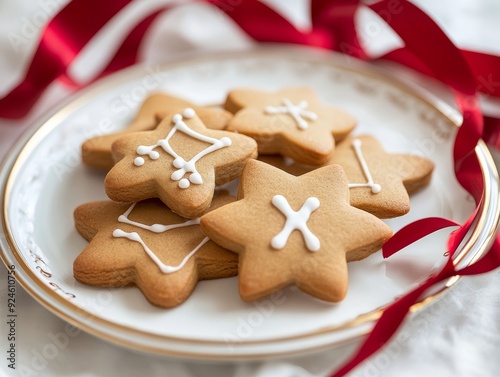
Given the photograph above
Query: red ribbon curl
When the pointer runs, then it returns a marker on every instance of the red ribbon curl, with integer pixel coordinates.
(62, 40)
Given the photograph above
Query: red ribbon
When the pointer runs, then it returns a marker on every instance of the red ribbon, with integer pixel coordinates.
(432, 51)
(62, 40)
(429, 51)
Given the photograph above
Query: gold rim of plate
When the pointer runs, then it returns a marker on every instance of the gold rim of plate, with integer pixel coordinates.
(488, 215)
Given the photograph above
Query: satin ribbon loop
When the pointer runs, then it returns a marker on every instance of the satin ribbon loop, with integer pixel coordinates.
(62, 40)
(391, 319)
(337, 18)
(414, 232)
(265, 25)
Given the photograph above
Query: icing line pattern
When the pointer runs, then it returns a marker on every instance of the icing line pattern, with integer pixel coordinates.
(183, 167)
(375, 187)
(156, 228)
(297, 112)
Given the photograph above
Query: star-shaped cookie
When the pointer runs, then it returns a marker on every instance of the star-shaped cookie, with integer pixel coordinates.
(165, 261)
(292, 230)
(96, 151)
(291, 122)
(380, 182)
(181, 162)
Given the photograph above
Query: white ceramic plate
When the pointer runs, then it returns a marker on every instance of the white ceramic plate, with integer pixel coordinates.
(44, 180)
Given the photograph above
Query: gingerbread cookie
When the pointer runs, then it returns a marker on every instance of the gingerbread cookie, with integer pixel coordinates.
(292, 230)
(148, 246)
(379, 182)
(291, 122)
(181, 162)
(96, 151)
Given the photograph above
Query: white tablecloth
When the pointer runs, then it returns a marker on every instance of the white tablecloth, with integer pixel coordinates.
(458, 335)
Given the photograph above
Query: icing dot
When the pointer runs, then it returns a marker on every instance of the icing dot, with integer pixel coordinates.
(154, 155)
(139, 161)
(177, 118)
(196, 178)
(188, 113)
(184, 183)
(376, 188)
(178, 174)
(312, 203)
(142, 149)
(314, 245)
(226, 141)
(277, 243)
(356, 143)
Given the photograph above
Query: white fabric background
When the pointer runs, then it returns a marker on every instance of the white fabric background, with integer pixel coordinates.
(458, 335)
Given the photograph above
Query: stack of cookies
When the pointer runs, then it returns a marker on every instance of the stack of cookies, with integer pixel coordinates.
(310, 197)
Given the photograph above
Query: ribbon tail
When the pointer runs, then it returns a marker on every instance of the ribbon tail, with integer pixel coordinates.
(390, 321)
(394, 315)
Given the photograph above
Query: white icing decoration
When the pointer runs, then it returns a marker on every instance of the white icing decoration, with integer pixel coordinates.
(296, 220)
(183, 167)
(184, 183)
(376, 188)
(166, 269)
(297, 112)
(156, 228)
(188, 113)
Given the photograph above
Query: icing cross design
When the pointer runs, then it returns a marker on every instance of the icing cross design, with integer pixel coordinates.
(183, 167)
(376, 188)
(297, 112)
(295, 220)
(156, 228)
